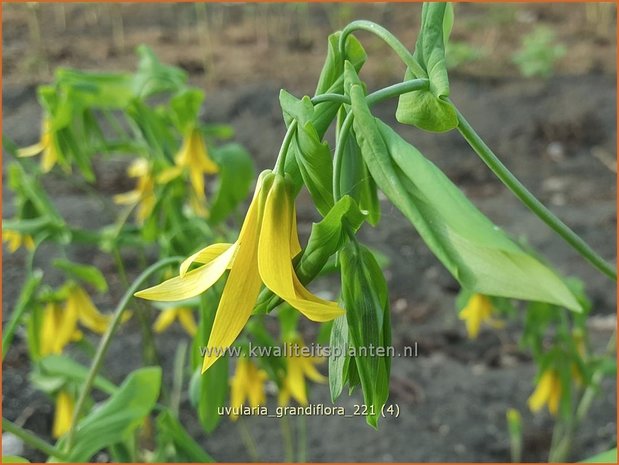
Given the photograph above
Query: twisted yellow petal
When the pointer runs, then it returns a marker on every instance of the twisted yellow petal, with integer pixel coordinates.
(191, 283)
(275, 250)
(63, 414)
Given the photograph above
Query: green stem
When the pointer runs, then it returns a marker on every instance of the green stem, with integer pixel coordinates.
(528, 199)
(107, 339)
(302, 439)
(563, 434)
(283, 151)
(248, 440)
(33, 440)
(400, 49)
(287, 439)
(25, 296)
(382, 94)
(339, 155)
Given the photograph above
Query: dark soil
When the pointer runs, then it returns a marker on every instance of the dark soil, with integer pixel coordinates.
(558, 136)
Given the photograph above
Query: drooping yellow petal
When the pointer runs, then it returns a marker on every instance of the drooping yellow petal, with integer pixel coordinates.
(206, 255)
(164, 320)
(242, 287)
(31, 150)
(192, 283)
(477, 310)
(295, 381)
(88, 314)
(274, 257)
(255, 388)
(238, 387)
(547, 391)
(169, 174)
(13, 239)
(52, 314)
(310, 371)
(185, 316)
(50, 155)
(127, 198)
(63, 414)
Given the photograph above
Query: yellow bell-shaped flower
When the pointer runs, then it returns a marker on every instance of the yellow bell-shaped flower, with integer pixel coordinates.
(547, 392)
(144, 193)
(299, 367)
(263, 253)
(15, 240)
(478, 310)
(47, 145)
(168, 316)
(63, 415)
(247, 384)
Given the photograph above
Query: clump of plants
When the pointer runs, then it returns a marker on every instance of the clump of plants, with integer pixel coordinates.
(222, 281)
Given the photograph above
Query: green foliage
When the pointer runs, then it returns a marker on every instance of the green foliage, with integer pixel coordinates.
(539, 53)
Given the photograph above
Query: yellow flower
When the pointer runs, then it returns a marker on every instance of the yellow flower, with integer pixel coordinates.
(478, 310)
(263, 253)
(193, 158)
(59, 326)
(246, 384)
(299, 367)
(183, 314)
(547, 392)
(144, 194)
(48, 145)
(63, 414)
(16, 240)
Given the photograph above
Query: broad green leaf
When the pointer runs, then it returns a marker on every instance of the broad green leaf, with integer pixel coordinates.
(475, 251)
(84, 89)
(609, 456)
(187, 450)
(334, 63)
(364, 292)
(86, 273)
(236, 171)
(430, 109)
(116, 419)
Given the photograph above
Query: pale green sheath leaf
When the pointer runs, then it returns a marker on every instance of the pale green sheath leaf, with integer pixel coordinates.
(339, 358)
(475, 251)
(430, 109)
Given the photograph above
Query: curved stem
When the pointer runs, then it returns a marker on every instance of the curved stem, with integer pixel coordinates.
(283, 151)
(107, 339)
(394, 90)
(339, 155)
(33, 440)
(388, 38)
(530, 201)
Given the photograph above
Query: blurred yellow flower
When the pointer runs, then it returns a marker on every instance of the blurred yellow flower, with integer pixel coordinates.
(144, 193)
(183, 314)
(63, 414)
(478, 310)
(263, 253)
(246, 384)
(16, 240)
(59, 325)
(192, 158)
(299, 367)
(48, 145)
(547, 392)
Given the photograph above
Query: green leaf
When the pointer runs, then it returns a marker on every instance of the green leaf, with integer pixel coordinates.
(338, 358)
(188, 450)
(430, 109)
(84, 89)
(364, 292)
(152, 77)
(236, 171)
(86, 273)
(116, 419)
(475, 251)
(609, 456)
(185, 108)
(70, 370)
(210, 392)
(355, 180)
(14, 459)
